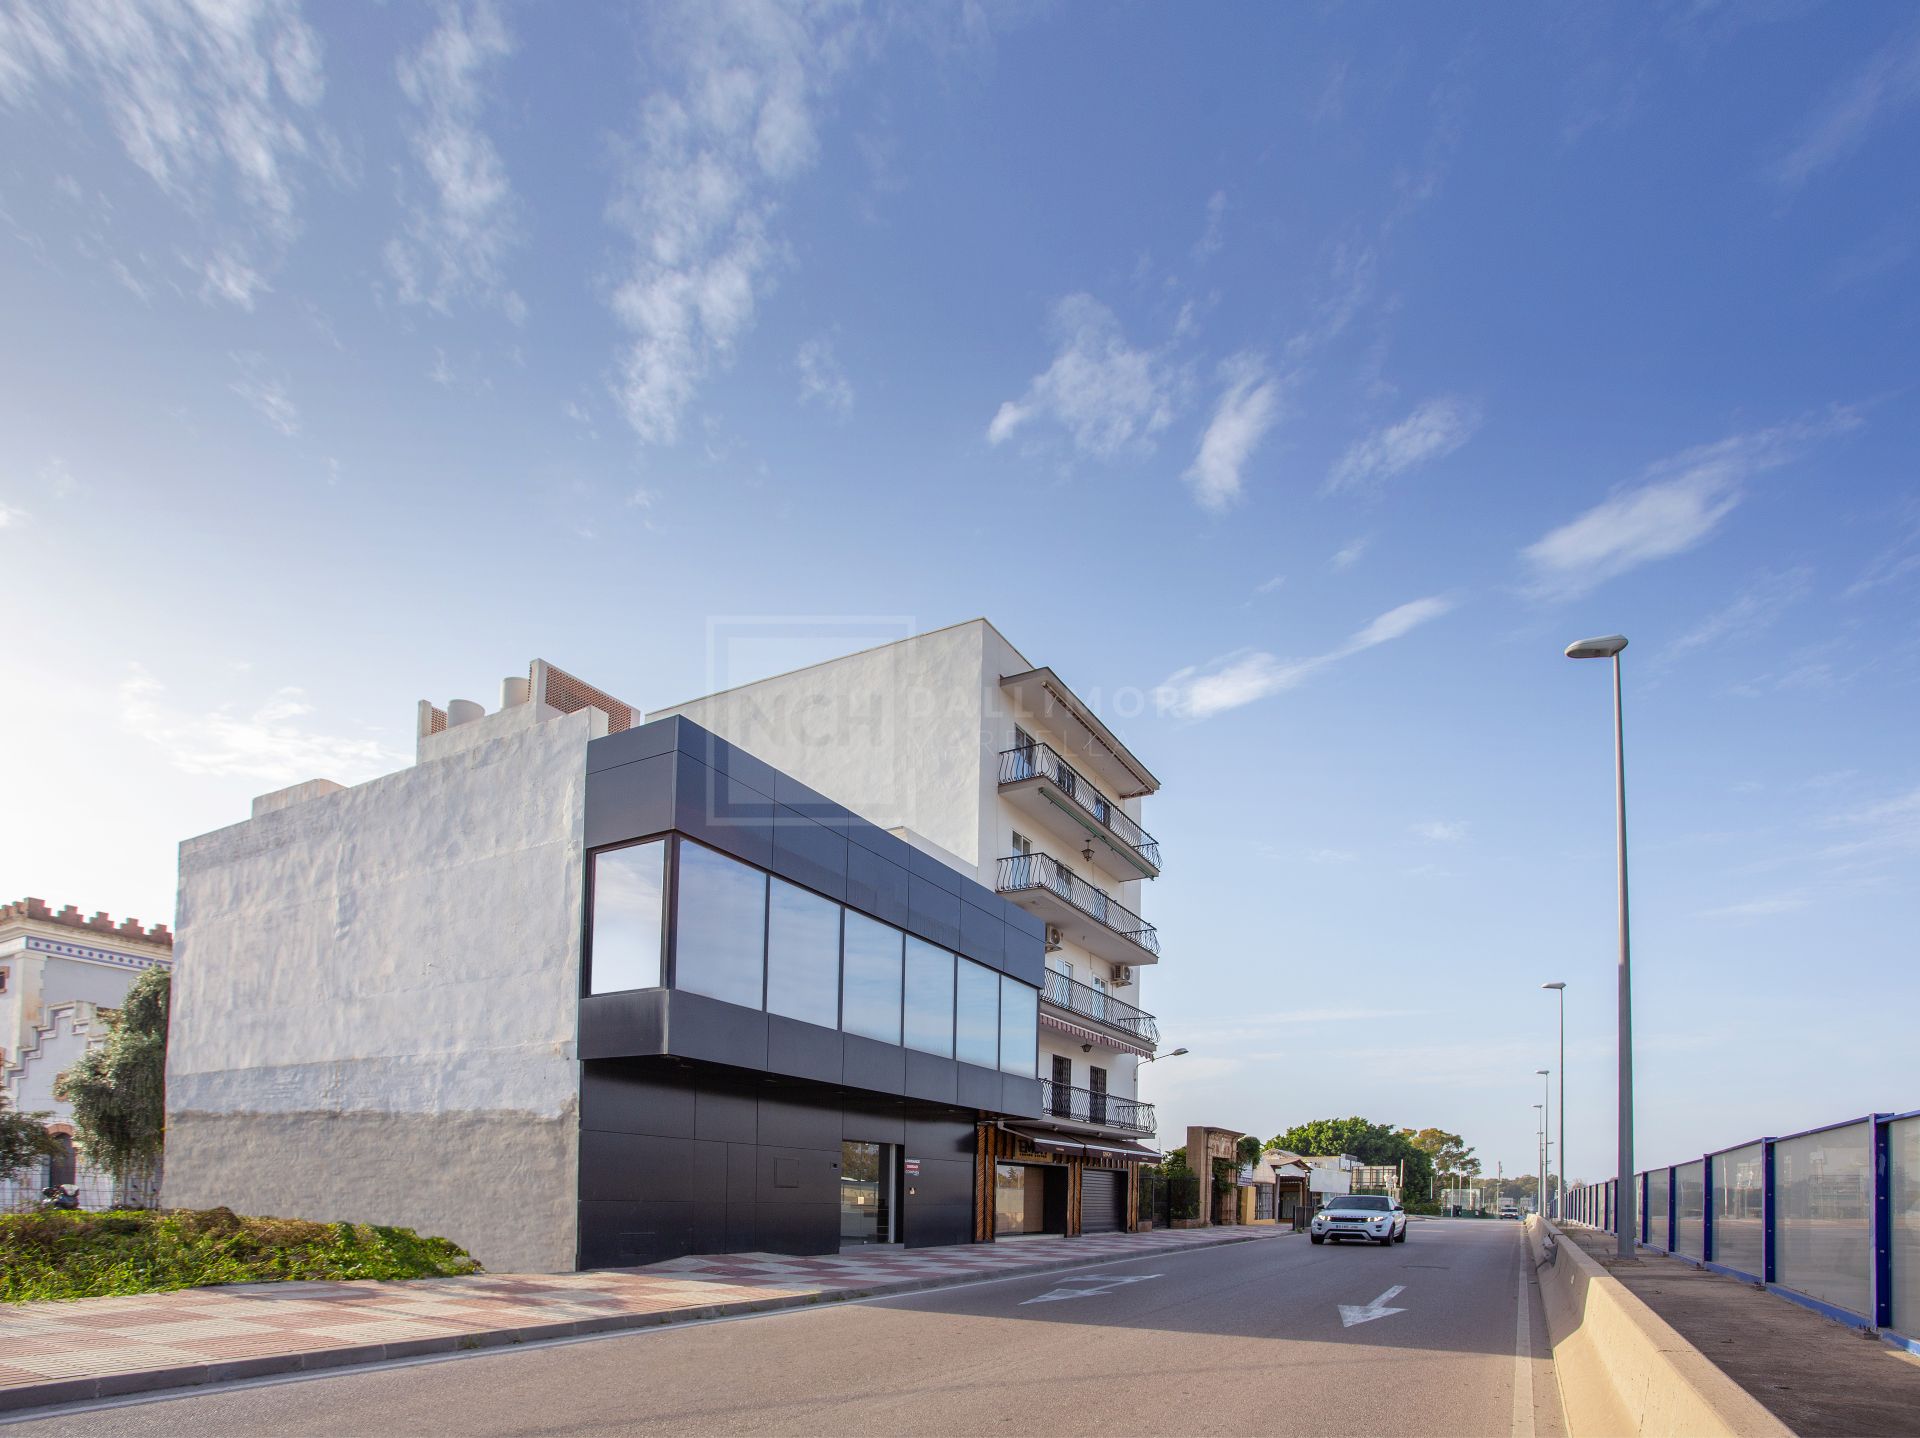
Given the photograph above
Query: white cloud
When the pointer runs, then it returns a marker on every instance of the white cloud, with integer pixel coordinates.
(267, 395)
(1200, 692)
(1208, 245)
(226, 275)
(822, 378)
(1441, 831)
(1110, 396)
(11, 516)
(1349, 555)
(1679, 502)
(1888, 84)
(1246, 411)
(714, 152)
(1433, 431)
(1753, 611)
(455, 243)
(273, 744)
(1267, 586)
(210, 101)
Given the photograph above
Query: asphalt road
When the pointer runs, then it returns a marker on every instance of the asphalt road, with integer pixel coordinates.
(1274, 1336)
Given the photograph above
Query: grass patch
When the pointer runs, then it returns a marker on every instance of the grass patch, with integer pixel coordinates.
(92, 1255)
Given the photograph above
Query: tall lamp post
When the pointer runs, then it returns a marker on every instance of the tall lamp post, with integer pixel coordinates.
(1546, 1133)
(1540, 1158)
(1608, 646)
(1560, 1188)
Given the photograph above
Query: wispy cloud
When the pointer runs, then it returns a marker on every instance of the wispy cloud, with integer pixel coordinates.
(1208, 245)
(1677, 504)
(274, 743)
(716, 149)
(1246, 410)
(210, 101)
(1110, 396)
(1267, 586)
(1349, 554)
(1441, 831)
(454, 242)
(1755, 609)
(1433, 431)
(9, 516)
(822, 380)
(1886, 85)
(1898, 560)
(1200, 692)
(266, 394)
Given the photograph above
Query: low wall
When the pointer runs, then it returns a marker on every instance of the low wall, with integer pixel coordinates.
(1623, 1368)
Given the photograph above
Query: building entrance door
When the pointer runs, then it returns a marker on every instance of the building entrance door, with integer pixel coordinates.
(869, 1209)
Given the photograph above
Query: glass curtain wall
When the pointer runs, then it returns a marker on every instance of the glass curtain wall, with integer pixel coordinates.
(628, 885)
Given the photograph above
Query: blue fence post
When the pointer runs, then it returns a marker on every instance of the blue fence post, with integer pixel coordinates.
(1673, 1209)
(1769, 1216)
(1645, 1181)
(1882, 1221)
(1706, 1208)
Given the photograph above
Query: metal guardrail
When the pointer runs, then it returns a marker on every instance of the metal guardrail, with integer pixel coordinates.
(1042, 761)
(1100, 1006)
(1020, 872)
(1085, 1106)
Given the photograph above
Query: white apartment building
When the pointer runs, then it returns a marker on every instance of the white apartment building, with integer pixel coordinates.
(960, 745)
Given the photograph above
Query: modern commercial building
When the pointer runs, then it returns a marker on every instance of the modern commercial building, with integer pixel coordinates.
(957, 743)
(575, 991)
(59, 975)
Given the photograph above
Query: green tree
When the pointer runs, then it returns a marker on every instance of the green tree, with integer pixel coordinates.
(1371, 1143)
(23, 1138)
(1247, 1150)
(1448, 1151)
(118, 1091)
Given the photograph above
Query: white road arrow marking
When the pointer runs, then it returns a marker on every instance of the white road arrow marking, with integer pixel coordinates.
(1089, 1287)
(1350, 1315)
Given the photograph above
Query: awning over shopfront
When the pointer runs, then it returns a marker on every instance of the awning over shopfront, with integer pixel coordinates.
(1073, 1146)
(1090, 1036)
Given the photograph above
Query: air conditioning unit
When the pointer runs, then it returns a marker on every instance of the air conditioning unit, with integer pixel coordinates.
(1122, 975)
(1053, 937)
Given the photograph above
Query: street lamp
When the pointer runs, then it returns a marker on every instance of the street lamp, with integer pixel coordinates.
(1546, 1135)
(1169, 1054)
(1539, 1154)
(1560, 1189)
(1608, 647)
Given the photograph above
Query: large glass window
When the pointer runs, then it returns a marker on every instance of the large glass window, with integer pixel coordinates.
(929, 998)
(871, 982)
(1019, 1026)
(976, 1029)
(624, 951)
(720, 942)
(803, 955)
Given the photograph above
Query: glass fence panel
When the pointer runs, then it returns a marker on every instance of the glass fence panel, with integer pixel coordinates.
(1657, 1207)
(1903, 1185)
(1689, 1235)
(1738, 1239)
(1824, 1193)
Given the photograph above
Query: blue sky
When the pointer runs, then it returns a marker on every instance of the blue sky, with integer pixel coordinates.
(1298, 381)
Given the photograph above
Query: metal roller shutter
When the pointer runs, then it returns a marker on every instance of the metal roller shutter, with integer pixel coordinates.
(1103, 1198)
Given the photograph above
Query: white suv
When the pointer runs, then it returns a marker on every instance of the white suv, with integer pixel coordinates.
(1361, 1215)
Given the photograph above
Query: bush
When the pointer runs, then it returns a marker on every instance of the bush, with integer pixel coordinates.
(90, 1255)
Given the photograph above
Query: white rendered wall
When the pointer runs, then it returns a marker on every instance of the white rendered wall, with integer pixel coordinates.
(376, 1001)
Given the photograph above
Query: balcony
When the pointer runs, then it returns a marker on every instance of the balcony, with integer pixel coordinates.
(1087, 1002)
(1080, 1105)
(1038, 781)
(1049, 890)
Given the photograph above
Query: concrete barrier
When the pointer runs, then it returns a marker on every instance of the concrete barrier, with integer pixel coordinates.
(1622, 1368)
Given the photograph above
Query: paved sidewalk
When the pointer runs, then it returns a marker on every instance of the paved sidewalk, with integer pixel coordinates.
(100, 1347)
(1816, 1376)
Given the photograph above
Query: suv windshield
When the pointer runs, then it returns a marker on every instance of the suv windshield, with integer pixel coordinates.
(1361, 1200)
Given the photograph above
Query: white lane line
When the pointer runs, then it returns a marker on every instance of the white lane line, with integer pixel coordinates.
(1351, 1314)
(1090, 1287)
(1522, 1365)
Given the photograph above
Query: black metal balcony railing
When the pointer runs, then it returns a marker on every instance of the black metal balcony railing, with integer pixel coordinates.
(1040, 761)
(1085, 1106)
(1100, 1006)
(1019, 872)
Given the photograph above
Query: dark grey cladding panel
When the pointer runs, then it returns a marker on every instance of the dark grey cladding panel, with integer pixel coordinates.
(983, 935)
(876, 840)
(726, 758)
(811, 854)
(877, 1067)
(1020, 1096)
(620, 1025)
(978, 1088)
(1020, 921)
(939, 1225)
(726, 1115)
(931, 1077)
(722, 811)
(1026, 957)
(623, 1098)
(925, 866)
(628, 1166)
(630, 802)
(980, 896)
(803, 1050)
(792, 794)
(940, 1138)
(877, 886)
(800, 1120)
(721, 1033)
(660, 737)
(866, 1124)
(933, 913)
(797, 1227)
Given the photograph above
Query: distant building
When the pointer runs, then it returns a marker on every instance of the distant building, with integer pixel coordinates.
(59, 972)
